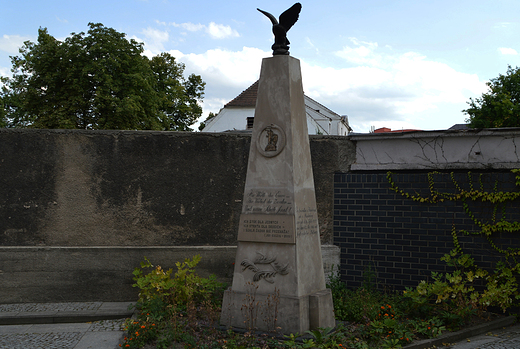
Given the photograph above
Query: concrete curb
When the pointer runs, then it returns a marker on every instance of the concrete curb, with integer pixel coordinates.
(452, 337)
(106, 311)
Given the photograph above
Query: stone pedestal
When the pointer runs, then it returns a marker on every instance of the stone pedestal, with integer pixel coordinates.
(278, 279)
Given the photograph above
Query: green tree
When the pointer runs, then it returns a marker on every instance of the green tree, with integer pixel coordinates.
(500, 107)
(98, 80)
(203, 124)
(177, 97)
(3, 118)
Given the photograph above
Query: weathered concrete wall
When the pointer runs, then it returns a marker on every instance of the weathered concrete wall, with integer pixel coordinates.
(104, 273)
(74, 188)
(124, 188)
(438, 150)
(89, 205)
(67, 274)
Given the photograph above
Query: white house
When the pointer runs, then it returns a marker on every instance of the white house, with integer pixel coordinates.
(238, 115)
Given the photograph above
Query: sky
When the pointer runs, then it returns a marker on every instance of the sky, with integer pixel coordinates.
(399, 64)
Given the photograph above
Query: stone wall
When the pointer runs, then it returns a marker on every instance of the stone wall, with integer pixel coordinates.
(97, 273)
(89, 205)
(80, 209)
(74, 188)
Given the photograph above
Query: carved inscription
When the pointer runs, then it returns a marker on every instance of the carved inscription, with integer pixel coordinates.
(268, 201)
(306, 221)
(266, 228)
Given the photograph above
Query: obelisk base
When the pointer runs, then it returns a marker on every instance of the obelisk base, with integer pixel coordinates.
(283, 314)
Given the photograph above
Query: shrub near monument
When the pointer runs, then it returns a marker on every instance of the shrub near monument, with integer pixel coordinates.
(182, 309)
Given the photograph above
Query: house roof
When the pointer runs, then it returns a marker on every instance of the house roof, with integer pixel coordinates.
(388, 130)
(459, 127)
(242, 107)
(246, 99)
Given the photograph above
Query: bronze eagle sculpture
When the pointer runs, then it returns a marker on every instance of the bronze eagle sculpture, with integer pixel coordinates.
(281, 27)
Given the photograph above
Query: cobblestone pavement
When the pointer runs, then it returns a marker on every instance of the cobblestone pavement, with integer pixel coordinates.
(506, 338)
(41, 307)
(63, 340)
(107, 325)
(65, 336)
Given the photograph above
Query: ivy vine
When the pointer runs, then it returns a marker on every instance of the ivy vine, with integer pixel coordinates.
(498, 200)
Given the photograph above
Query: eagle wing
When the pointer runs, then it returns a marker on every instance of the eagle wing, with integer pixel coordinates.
(290, 16)
(270, 16)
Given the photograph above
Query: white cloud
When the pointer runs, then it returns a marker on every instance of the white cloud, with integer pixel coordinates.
(362, 53)
(155, 39)
(502, 25)
(311, 44)
(376, 86)
(213, 104)
(216, 31)
(5, 72)
(189, 26)
(223, 67)
(226, 73)
(381, 87)
(507, 51)
(12, 43)
(220, 31)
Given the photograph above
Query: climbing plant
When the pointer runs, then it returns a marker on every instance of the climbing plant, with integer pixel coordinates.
(467, 195)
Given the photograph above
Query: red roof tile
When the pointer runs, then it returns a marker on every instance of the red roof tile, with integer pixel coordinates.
(388, 130)
(246, 99)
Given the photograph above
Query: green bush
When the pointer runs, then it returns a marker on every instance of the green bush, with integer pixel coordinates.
(381, 319)
(466, 291)
(184, 287)
(170, 304)
(360, 305)
(181, 308)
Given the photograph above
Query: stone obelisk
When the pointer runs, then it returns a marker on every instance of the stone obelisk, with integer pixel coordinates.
(278, 266)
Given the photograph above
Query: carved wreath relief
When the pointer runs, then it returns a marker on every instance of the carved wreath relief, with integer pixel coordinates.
(267, 275)
(271, 141)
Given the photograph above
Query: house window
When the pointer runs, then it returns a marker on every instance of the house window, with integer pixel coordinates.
(250, 122)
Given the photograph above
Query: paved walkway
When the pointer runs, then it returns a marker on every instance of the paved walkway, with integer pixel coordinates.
(502, 333)
(504, 338)
(93, 325)
(98, 325)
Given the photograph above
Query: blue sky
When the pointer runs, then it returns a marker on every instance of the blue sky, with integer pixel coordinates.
(397, 64)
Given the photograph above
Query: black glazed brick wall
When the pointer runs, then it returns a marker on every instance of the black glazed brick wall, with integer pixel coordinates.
(399, 241)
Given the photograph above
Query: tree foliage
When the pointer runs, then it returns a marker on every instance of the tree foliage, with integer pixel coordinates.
(203, 124)
(98, 80)
(500, 107)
